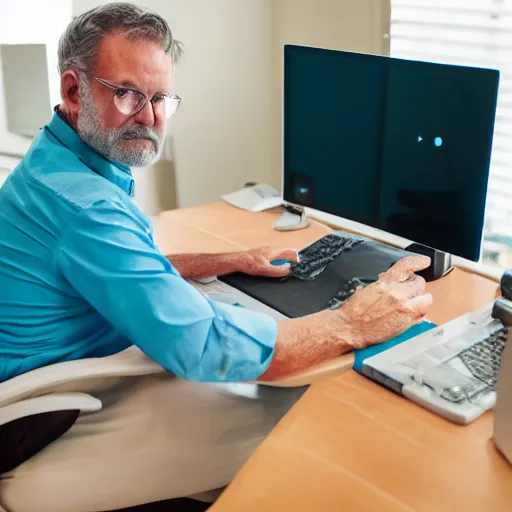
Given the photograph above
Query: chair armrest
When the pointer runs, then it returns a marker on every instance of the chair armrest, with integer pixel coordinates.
(129, 362)
(49, 403)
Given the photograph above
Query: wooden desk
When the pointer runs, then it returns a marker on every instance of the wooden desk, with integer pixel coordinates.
(349, 444)
(218, 227)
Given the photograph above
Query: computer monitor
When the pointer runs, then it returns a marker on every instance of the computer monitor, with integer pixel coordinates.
(399, 145)
(26, 86)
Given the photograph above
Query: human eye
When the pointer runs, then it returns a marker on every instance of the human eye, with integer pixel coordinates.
(132, 94)
(158, 98)
(122, 93)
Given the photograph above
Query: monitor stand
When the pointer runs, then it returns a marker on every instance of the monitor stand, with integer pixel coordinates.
(292, 218)
(441, 261)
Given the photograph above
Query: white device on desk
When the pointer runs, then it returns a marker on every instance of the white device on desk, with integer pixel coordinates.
(503, 410)
(450, 370)
(254, 197)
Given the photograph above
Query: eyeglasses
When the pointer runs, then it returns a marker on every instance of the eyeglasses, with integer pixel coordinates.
(131, 101)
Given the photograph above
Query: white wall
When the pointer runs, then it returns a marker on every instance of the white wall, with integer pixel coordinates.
(351, 25)
(228, 130)
(222, 134)
(31, 22)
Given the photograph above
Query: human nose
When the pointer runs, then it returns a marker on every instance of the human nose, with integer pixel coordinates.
(146, 116)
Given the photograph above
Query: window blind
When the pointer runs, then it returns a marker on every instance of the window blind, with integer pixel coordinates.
(474, 33)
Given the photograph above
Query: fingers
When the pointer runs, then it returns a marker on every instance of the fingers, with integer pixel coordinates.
(284, 254)
(407, 289)
(404, 317)
(419, 305)
(276, 271)
(403, 269)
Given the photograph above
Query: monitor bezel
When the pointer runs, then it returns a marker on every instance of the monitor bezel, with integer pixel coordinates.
(370, 230)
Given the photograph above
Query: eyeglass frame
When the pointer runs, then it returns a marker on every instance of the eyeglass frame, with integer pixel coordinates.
(117, 87)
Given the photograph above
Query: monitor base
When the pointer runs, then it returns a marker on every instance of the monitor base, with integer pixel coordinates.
(440, 266)
(292, 218)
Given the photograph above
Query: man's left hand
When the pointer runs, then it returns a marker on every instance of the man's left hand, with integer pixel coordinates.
(258, 262)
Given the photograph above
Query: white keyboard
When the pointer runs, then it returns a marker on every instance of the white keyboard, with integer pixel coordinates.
(451, 370)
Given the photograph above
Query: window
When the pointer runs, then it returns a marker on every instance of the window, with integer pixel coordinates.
(474, 33)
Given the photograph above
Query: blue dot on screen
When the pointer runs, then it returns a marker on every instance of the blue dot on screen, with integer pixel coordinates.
(438, 141)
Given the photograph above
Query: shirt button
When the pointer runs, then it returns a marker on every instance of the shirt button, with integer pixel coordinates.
(222, 319)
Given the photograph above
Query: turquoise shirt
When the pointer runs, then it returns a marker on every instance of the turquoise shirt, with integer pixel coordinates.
(81, 276)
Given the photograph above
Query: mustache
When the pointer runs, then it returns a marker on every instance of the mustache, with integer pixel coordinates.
(140, 132)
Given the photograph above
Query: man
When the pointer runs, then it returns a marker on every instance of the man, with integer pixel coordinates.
(81, 277)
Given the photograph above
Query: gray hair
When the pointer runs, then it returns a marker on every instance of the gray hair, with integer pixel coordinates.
(78, 45)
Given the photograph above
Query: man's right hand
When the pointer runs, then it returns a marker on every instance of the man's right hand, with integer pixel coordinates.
(373, 314)
(389, 306)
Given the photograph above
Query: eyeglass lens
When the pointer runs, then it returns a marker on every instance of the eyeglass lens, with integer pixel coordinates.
(130, 102)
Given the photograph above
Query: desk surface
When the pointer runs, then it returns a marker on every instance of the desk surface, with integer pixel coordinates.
(349, 444)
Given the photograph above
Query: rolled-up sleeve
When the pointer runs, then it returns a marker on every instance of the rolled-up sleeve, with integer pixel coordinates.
(108, 256)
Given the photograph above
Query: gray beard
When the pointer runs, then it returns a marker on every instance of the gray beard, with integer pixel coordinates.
(108, 143)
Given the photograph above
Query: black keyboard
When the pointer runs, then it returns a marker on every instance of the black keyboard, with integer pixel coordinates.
(347, 291)
(329, 272)
(315, 258)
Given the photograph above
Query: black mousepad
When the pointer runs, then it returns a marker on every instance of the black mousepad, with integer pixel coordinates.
(295, 297)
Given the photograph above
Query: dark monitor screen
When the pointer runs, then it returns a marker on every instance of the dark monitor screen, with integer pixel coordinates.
(403, 146)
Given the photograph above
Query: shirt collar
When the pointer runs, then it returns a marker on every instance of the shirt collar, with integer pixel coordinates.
(116, 173)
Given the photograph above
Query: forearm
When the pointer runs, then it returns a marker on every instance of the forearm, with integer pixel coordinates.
(197, 266)
(308, 341)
